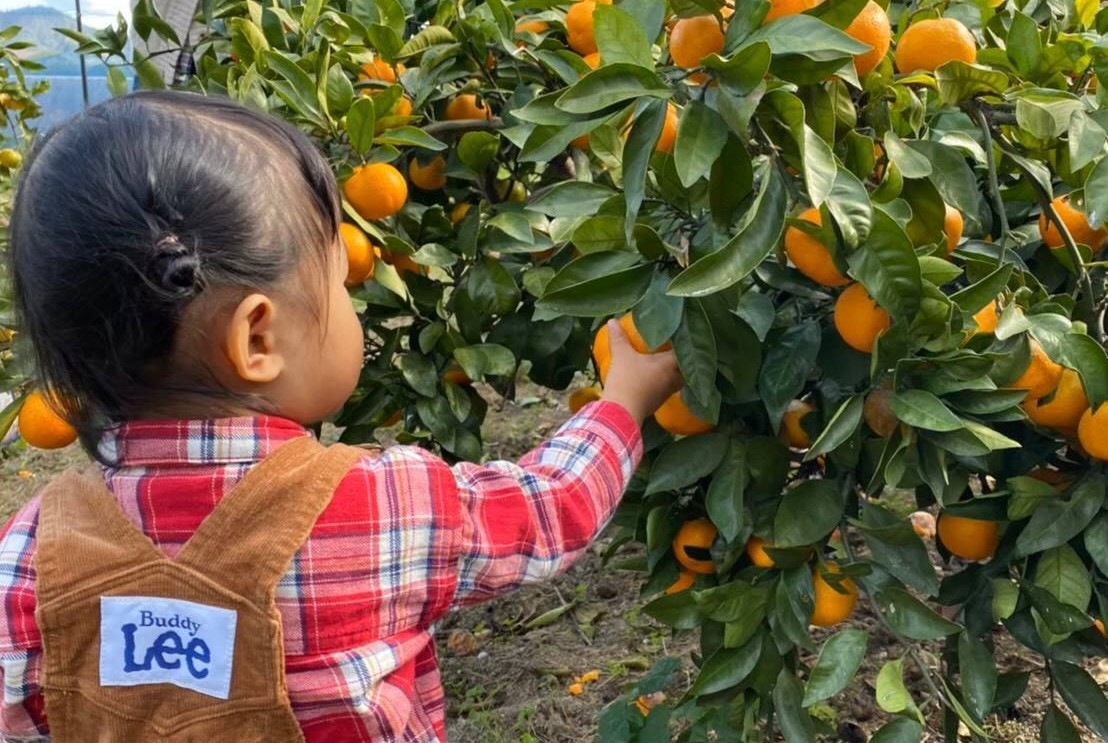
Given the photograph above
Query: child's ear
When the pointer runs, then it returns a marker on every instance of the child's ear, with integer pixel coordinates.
(250, 341)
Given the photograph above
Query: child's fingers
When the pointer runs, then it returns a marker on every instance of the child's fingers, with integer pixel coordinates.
(617, 339)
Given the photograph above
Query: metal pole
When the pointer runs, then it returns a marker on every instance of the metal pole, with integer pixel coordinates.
(84, 74)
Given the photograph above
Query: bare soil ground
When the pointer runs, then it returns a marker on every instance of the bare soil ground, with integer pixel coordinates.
(507, 664)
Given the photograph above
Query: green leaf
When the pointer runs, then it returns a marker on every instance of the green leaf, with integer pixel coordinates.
(426, 38)
(805, 49)
(892, 695)
(477, 150)
(1083, 696)
(677, 610)
(910, 617)
(619, 38)
(807, 513)
(1027, 495)
(850, 206)
(1024, 45)
(959, 81)
(117, 81)
(796, 726)
(788, 361)
(701, 135)
(410, 136)
(570, 199)
(1057, 728)
(597, 284)
(360, 124)
(975, 296)
(149, 76)
(1064, 576)
(1086, 140)
(1056, 522)
(636, 158)
(742, 73)
(887, 266)
(911, 163)
(611, 85)
(896, 547)
(733, 601)
(739, 257)
(1059, 618)
(724, 499)
(694, 344)
(420, 373)
(900, 730)
(1096, 194)
(490, 288)
(839, 659)
(685, 461)
(726, 668)
(596, 234)
(483, 359)
(839, 429)
(296, 87)
(658, 315)
(1096, 541)
(923, 410)
(978, 671)
(1045, 113)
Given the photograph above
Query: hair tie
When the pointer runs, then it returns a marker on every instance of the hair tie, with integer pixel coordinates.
(176, 268)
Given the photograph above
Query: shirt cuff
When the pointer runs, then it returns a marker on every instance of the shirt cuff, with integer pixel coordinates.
(626, 433)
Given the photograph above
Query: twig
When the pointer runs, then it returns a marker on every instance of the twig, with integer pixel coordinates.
(464, 125)
(994, 183)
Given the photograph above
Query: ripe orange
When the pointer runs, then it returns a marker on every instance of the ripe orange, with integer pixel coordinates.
(459, 212)
(401, 262)
(1099, 626)
(581, 143)
(782, 8)
(830, 606)
(582, 397)
(668, 137)
(592, 60)
(10, 158)
(871, 26)
(1092, 432)
(791, 428)
(465, 107)
(859, 319)
(986, 319)
(878, 415)
(756, 551)
(931, 43)
(970, 539)
(923, 524)
(40, 426)
(698, 534)
(534, 27)
(953, 224)
(1064, 411)
(1077, 224)
(359, 254)
(579, 26)
(429, 176)
(456, 375)
(379, 69)
(376, 191)
(1041, 376)
(675, 417)
(810, 256)
(685, 581)
(693, 39)
(602, 352)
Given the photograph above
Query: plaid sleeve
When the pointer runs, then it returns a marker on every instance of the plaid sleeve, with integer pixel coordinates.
(528, 521)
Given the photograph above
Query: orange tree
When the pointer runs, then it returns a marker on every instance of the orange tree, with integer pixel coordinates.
(871, 235)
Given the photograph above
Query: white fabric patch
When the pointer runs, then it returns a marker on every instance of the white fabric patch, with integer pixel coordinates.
(147, 640)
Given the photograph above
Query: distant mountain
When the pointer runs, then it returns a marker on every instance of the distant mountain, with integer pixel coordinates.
(37, 26)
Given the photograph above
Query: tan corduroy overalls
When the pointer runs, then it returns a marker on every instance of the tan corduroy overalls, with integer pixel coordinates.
(139, 647)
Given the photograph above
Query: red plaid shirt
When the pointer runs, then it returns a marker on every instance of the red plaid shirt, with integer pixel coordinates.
(404, 539)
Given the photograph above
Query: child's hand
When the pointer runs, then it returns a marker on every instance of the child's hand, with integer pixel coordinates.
(640, 382)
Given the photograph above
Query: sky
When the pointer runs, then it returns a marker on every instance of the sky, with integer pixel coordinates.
(94, 13)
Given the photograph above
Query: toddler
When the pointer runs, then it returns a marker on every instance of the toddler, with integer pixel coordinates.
(220, 575)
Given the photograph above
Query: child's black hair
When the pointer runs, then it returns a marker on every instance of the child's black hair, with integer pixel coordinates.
(133, 209)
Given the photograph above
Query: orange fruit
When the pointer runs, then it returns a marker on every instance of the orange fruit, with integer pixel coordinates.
(878, 415)
(379, 69)
(829, 605)
(592, 60)
(582, 397)
(601, 350)
(756, 551)
(675, 417)
(1077, 224)
(41, 426)
(923, 523)
(428, 176)
(1099, 626)
(986, 319)
(534, 27)
(392, 420)
(931, 43)
(791, 429)
(1092, 432)
(376, 191)
(1065, 409)
(402, 107)
(953, 225)
(466, 106)
(455, 375)
(1041, 376)
(878, 162)
(698, 534)
(401, 262)
(859, 319)
(459, 212)
(810, 256)
(581, 143)
(871, 26)
(970, 539)
(693, 39)
(579, 26)
(685, 581)
(1060, 480)
(359, 254)
(668, 137)
(782, 8)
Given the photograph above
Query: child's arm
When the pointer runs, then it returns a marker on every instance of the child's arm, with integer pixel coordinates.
(525, 522)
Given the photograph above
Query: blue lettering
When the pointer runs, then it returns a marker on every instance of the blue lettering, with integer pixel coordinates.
(198, 650)
(167, 645)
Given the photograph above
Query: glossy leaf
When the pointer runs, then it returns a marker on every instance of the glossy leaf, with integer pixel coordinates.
(838, 661)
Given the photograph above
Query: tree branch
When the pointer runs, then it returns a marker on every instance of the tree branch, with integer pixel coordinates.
(464, 125)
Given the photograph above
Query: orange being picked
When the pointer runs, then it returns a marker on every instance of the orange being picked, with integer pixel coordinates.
(465, 107)
(428, 176)
(1065, 409)
(1041, 376)
(668, 136)
(791, 429)
(685, 581)
(830, 604)
(953, 224)
(859, 319)
(1092, 432)
(376, 191)
(693, 39)
(877, 413)
(871, 26)
(931, 43)
(756, 551)
(810, 256)
(970, 539)
(602, 352)
(41, 427)
(360, 261)
(579, 26)
(675, 417)
(699, 535)
(1076, 222)
(782, 8)
(582, 397)
(986, 319)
